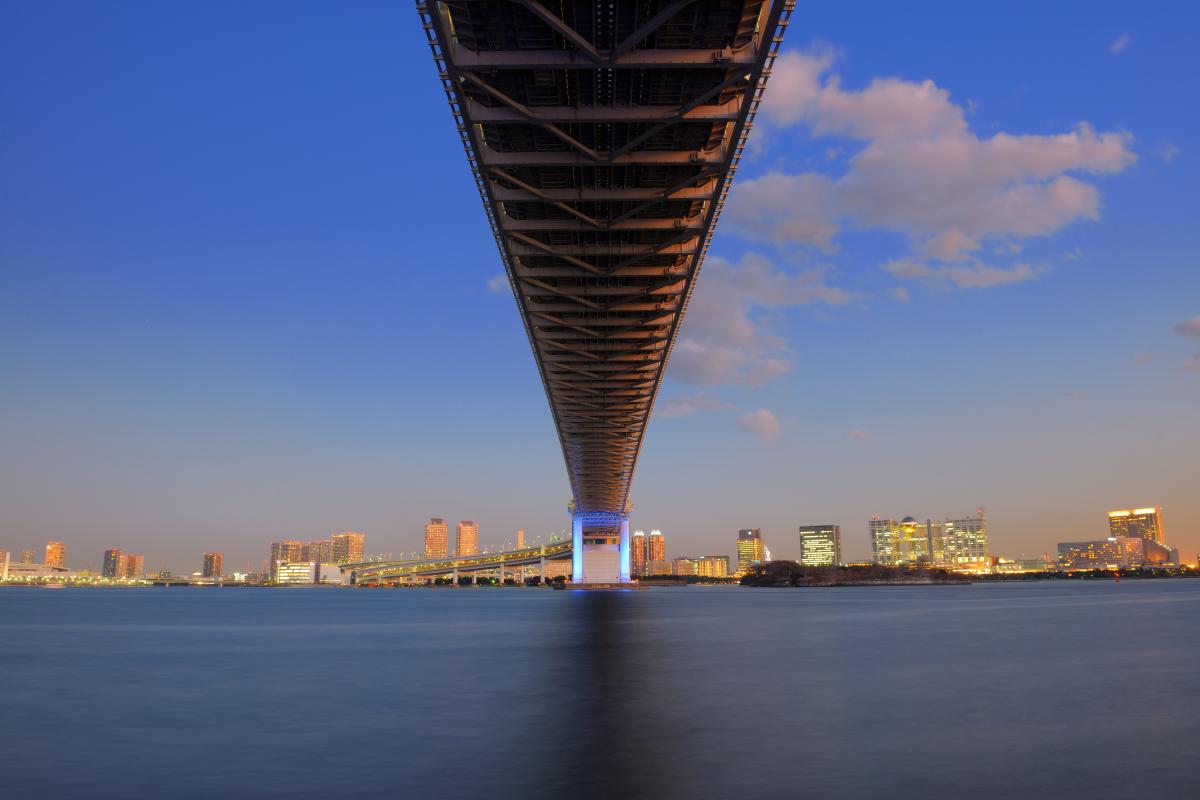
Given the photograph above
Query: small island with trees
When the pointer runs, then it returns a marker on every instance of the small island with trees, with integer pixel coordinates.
(789, 573)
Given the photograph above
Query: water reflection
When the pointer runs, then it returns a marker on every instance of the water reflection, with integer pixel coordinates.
(607, 739)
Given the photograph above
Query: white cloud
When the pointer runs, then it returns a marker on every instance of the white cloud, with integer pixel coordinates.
(964, 275)
(685, 405)
(921, 172)
(762, 423)
(1119, 44)
(725, 338)
(498, 284)
(899, 294)
(857, 433)
(1193, 364)
(1189, 327)
(1167, 151)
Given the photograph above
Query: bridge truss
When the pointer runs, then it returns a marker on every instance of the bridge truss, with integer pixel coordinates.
(603, 136)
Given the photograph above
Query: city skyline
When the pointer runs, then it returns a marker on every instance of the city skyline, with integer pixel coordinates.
(962, 542)
(209, 330)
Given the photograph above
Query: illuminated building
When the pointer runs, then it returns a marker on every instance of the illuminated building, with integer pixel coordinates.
(437, 535)
(1115, 552)
(26, 556)
(962, 544)
(712, 566)
(704, 567)
(683, 566)
(287, 551)
(820, 545)
(320, 551)
(112, 563)
(637, 553)
(751, 549)
(130, 565)
(346, 548)
(904, 542)
(214, 565)
(308, 572)
(4, 559)
(466, 538)
(56, 554)
(1145, 523)
(520, 540)
(656, 553)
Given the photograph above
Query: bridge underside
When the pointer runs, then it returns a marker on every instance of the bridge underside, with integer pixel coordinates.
(603, 137)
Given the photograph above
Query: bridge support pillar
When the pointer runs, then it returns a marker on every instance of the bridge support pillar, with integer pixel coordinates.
(454, 582)
(599, 548)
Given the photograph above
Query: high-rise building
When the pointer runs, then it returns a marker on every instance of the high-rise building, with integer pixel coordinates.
(751, 549)
(320, 551)
(520, 540)
(820, 545)
(26, 556)
(346, 548)
(656, 554)
(5, 558)
(437, 536)
(288, 551)
(1143, 522)
(56, 554)
(904, 542)
(131, 565)
(637, 554)
(214, 565)
(112, 563)
(466, 538)
(962, 544)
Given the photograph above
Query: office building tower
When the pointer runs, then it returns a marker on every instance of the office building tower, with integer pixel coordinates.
(637, 554)
(820, 545)
(27, 557)
(466, 538)
(656, 554)
(520, 540)
(437, 535)
(130, 565)
(320, 551)
(904, 542)
(56, 554)
(214, 565)
(961, 544)
(112, 563)
(289, 551)
(1141, 522)
(751, 549)
(5, 560)
(346, 548)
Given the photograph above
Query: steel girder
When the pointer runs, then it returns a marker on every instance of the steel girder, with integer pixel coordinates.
(603, 138)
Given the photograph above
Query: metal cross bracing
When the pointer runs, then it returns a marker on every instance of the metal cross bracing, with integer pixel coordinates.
(603, 136)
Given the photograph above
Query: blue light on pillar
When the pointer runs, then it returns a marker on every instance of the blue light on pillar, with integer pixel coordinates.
(577, 548)
(624, 549)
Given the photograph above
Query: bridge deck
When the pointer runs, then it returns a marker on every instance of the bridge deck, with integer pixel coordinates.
(603, 138)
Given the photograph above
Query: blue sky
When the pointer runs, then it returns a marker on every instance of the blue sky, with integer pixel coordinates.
(244, 287)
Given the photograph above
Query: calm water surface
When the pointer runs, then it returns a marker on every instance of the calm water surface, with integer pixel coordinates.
(991, 691)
